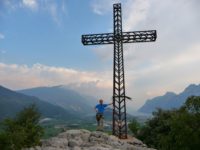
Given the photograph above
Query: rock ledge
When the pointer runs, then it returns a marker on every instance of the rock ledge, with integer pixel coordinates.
(86, 140)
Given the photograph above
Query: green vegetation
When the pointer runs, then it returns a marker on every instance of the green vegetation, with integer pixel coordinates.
(177, 129)
(22, 131)
(51, 131)
(134, 126)
(53, 127)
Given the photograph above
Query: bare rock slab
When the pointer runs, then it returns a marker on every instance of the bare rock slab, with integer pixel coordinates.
(85, 140)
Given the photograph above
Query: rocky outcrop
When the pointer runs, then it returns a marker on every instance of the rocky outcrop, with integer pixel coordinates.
(86, 140)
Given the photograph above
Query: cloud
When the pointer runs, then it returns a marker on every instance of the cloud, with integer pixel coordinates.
(52, 8)
(56, 9)
(102, 7)
(23, 76)
(8, 5)
(31, 4)
(169, 64)
(105, 52)
(135, 12)
(172, 75)
(1, 36)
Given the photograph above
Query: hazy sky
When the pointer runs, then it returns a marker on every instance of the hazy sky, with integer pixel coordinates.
(40, 45)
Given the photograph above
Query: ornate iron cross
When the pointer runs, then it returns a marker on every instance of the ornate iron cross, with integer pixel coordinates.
(118, 38)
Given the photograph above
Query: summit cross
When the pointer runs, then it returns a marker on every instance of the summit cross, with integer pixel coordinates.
(118, 37)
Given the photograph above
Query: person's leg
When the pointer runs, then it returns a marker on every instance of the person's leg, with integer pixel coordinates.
(98, 125)
(101, 123)
(98, 122)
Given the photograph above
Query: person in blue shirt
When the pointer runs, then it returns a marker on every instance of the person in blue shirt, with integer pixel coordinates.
(100, 108)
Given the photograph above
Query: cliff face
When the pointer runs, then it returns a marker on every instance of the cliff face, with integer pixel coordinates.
(86, 140)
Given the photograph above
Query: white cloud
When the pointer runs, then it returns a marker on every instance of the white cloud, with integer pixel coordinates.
(23, 76)
(105, 52)
(135, 12)
(169, 64)
(63, 7)
(1, 36)
(52, 8)
(32, 4)
(56, 9)
(102, 7)
(9, 4)
(157, 78)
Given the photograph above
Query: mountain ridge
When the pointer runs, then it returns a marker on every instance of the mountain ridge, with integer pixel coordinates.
(170, 100)
(12, 102)
(63, 97)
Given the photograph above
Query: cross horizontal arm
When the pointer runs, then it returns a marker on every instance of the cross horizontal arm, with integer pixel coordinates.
(139, 36)
(127, 37)
(96, 39)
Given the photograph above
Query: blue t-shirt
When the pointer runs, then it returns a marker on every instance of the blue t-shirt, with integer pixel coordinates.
(101, 108)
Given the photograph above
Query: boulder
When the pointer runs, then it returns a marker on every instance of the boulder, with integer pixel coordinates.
(55, 142)
(85, 140)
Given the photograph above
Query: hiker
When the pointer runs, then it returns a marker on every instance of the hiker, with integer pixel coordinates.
(100, 108)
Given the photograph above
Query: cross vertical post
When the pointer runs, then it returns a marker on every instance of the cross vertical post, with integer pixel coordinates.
(119, 105)
(118, 37)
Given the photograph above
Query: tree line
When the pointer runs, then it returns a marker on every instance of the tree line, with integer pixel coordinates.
(176, 129)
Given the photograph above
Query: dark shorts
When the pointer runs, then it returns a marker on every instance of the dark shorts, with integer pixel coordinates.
(99, 117)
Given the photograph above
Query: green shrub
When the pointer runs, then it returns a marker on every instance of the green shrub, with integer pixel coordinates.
(134, 126)
(22, 131)
(174, 129)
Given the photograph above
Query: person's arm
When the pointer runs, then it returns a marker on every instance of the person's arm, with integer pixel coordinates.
(105, 105)
(110, 104)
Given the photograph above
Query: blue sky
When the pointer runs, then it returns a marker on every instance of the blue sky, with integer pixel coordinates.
(40, 45)
(40, 35)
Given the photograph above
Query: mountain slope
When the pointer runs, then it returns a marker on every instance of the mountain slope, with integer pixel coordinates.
(170, 100)
(63, 97)
(12, 102)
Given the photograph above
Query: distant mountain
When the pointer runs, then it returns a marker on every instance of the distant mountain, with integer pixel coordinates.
(170, 100)
(63, 97)
(12, 102)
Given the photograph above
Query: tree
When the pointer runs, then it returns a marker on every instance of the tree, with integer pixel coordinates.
(134, 126)
(177, 129)
(156, 128)
(187, 129)
(192, 105)
(22, 131)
